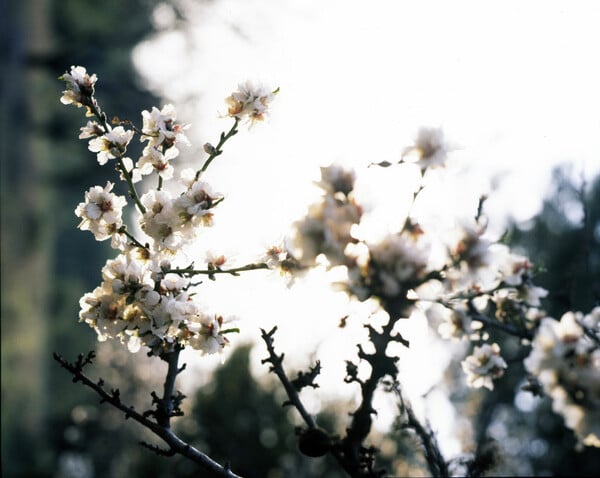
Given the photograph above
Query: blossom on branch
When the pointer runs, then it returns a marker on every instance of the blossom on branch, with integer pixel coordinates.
(160, 129)
(153, 159)
(111, 145)
(566, 362)
(430, 148)
(326, 229)
(484, 365)
(250, 101)
(80, 87)
(457, 323)
(101, 212)
(393, 266)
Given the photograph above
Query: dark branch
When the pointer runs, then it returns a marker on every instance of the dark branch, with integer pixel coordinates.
(435, 460)
(277, 368)
(176, 445)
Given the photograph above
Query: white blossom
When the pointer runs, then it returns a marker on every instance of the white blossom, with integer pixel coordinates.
(567, 363)
(250, 101)
(160, 129)
(91, 130)
(457, 323)
(396, 263)
(430, 148)
(101, 212)
(80, 86)
(484, 365)
(111, 145)
(153, 159)
(206, 334)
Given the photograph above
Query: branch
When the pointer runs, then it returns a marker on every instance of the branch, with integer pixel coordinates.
(211, 272)
(507, 328)
(92, 104)
(216, 151)
(435, 460)
(277, 368)
(176, 445)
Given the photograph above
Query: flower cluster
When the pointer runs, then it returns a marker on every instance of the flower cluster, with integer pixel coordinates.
(388, 268)
(430, 148)
(146, 296)
(565, 358)
(483, 365)
(327, 227)
(163, 134)
(173, 222)
(80, 88)
(250, 101)
(102, 211)
(141, 303)
(475, 279)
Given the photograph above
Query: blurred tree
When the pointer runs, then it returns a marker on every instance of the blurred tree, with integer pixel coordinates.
(46, 263)
(564, 241)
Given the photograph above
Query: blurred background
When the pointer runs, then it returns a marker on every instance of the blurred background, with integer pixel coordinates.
(515, 87)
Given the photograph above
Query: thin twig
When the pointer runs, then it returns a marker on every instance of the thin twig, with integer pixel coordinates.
(507, 328)
(217, 270)
(216, 151)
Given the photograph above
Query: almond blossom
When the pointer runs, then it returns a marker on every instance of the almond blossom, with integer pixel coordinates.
(566, 362)
(111, 145)
(250, 101)
(484, 365)
(101, 212)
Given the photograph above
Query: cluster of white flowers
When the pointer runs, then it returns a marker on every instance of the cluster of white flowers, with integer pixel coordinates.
(250, 101)
(145, 297)
(163, 134)
(565, 358)
(475, 277)
(326, 229)
(141, 303)
(457, 323)
(102, 211)
(80, 87)
(173, 222)
(430, 148)
(388, 268)
(483, 365)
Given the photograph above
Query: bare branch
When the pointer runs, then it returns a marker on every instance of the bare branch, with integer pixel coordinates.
(277, 368)
(176, 444)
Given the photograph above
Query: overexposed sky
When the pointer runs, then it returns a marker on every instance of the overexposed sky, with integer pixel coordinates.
(514, 84)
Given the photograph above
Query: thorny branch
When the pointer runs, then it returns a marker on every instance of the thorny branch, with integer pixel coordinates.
(277, 368)
(161, 426)
(435, 460)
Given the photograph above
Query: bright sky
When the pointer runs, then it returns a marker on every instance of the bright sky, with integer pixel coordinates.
(514, 85)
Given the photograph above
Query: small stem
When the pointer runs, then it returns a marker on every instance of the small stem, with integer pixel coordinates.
(160, 183)
(121, 166)
(218, 149)
(507, 328)
(123, 230)
(132, 191)
(210, 272)
(414, 199)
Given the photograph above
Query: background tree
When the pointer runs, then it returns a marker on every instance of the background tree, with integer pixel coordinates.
(43, 265)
